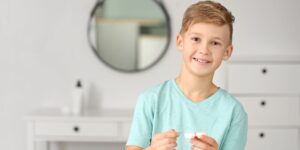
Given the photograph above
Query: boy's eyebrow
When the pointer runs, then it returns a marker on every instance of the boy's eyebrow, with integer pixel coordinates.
(218, 38)
(195, 33)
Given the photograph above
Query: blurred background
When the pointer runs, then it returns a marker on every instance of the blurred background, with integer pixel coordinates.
(44, 50)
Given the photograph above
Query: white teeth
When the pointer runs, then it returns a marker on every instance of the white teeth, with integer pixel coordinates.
(201, 60)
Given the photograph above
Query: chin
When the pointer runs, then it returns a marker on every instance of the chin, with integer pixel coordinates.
(202, 73)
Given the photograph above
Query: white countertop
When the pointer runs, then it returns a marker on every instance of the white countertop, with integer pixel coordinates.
(92, 115)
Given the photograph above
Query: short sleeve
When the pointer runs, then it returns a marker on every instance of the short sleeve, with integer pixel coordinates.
(141, 127)
(236, 138)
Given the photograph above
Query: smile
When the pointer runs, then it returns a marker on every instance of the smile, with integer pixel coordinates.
(201, 60)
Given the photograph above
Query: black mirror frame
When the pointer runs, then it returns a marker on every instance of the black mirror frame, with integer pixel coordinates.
(99, 3)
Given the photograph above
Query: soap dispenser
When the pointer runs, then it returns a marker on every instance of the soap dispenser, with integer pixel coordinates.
(77, 104)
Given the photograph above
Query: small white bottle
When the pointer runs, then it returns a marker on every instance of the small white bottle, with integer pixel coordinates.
(77, 99)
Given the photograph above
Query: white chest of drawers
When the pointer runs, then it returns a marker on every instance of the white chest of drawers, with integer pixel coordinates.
(270, 93)
(49, 125)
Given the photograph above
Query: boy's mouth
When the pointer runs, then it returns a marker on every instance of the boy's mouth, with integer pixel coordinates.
(200, 60)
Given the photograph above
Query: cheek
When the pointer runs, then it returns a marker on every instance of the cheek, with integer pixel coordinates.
(186, 56)
(219, 56)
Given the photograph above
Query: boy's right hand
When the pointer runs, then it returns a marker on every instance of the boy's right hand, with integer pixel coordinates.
(164, 141)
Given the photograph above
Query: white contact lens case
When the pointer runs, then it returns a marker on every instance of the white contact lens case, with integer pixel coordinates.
(189, 135)
(200, 134)
(192, 135)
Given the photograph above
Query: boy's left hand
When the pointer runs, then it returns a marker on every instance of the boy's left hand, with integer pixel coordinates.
(204, 143)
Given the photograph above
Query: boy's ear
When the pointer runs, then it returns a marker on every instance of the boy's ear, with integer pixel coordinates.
(179, 42)
(228, 52)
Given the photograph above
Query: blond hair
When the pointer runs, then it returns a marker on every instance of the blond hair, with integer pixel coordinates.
(207, 12)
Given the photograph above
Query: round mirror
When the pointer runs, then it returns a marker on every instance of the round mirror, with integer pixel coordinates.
(129, 35)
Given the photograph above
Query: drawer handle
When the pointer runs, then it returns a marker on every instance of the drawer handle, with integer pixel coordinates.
(263, 103)
(264, 71)
(76, 128)
(261, 135)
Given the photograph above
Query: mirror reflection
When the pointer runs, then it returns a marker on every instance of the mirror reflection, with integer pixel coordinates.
(130, 35)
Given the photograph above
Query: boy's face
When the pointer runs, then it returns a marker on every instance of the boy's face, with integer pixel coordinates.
(203, 47)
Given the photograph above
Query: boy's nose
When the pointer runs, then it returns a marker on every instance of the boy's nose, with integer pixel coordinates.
(203, 49)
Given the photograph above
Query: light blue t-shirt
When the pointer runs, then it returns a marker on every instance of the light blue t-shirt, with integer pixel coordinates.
(165, 107)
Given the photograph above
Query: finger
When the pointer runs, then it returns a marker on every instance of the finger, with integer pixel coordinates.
(169, 146)
(166, 141)
(172, 134)
(208, 140)
(169, 134)
(196, 143)
(196, 148)
(157, 137)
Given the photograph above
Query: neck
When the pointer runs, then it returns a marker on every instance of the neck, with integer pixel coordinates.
(196, 88)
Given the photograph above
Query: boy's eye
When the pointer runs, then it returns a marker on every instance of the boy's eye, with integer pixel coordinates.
(195, 39)
(216, 43)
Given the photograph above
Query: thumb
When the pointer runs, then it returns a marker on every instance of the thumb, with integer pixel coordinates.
(173, 133)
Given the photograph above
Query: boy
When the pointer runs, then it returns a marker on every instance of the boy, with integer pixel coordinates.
(192, 103)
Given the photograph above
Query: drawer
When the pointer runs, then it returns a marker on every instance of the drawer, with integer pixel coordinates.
(272, 110)
(273, 139)
(264, 78)
(73, 128)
